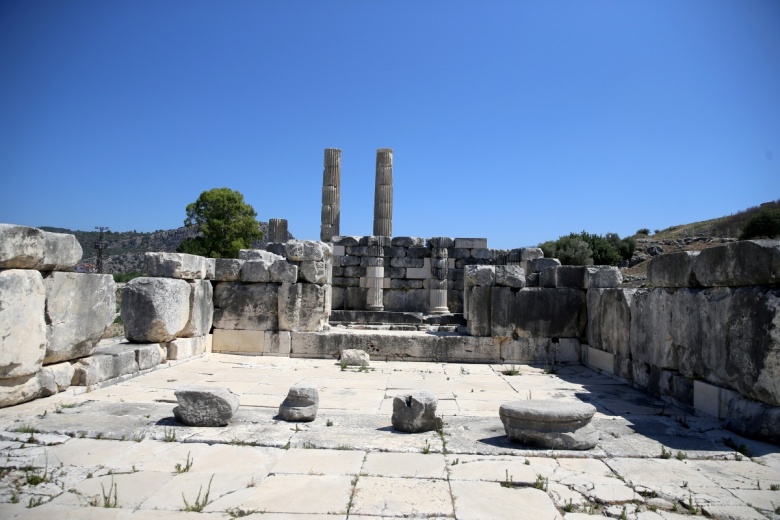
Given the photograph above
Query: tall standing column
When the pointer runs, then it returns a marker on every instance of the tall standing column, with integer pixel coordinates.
(439, 272)
(277, 230)
(331, 195)
(383, 193)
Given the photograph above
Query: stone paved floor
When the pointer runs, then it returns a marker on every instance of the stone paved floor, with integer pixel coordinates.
(119, 446)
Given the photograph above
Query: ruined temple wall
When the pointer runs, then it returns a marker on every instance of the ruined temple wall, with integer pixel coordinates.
(704, 336)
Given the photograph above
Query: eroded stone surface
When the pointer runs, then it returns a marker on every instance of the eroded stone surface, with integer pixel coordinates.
(205, 406)
(415, 412)
(354, 358)
(550, 424)
(22, 324)
(155, 309)
(301, 404)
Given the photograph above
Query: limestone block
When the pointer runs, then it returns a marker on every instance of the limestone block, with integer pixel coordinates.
(155, 309)
(245, 341)
(104, 365)
(609, 319)
(420, 273)
(313, 272)
(246, 306)
(539, 350)
(349, 261)
(407, 242)
(283, 271)
(415, 412)
(673, 269)
(276, 248)
(256, 271)
(21, 389)
(301, 307)
(228, 269)
(61, 251)
(411, 300)
(376, 240)
(522, 254)
(550, 424)
(201, 309)
(176, 265)
(258, 255)
(22, 323)
(754, 419)
(398, 283)
(471, 243)
(479, 309)
(211, 268)
(338, 251)
(79, 307)
(305, 250)
(277, 343)
(345, 241)
(602, 276)
(563, 277)
(510, 276)
(479, 275)
(723, 335)
(483, 254)
(354, 358)
(439, 242)
(147, 356)
(538, 265)
(748, 262)
(301, 404)
(21, 247)
(545, 313)
(600, 360)
(184, 348)
(205, 405)
(418, 252)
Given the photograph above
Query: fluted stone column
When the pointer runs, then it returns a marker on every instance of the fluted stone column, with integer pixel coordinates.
(277, 230)
(375, 277)
(439, 272)
(331, 195)
(383, 193)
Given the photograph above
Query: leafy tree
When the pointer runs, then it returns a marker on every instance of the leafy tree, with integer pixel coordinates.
(764, 224)
(225, 222)
(588, 249)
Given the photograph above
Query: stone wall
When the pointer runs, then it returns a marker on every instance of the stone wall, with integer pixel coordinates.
(49, 317)
(263, 296)
(706, 336)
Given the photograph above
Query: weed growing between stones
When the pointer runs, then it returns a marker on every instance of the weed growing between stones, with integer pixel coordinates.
(569, 506)
(665, 454)
(455, 462)
(427, 448)
(507, 483)
(741, 448)
(62, 406)
(774, 487)
(527, 462)
(512, 371)
(34, 502)
(329, 423)
(681, 455)
(188, 464)
(540, 483)
(692, 509)
(343, 364)
(109, 501)
(624, 514)
(26, 428)
(169, 434)
(200, 503)
(683, 421)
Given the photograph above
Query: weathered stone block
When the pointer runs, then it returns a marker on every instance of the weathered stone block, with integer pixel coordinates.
(563, 277)
(602, 276)
(483, 254)
(345, 241)
(550, 424)
(205, 405)
(228, 269)
(283, 272)
(147, 356)
(539, 350)
(354, 358)
(538, 265)
(256, 271)
(246, 306)
(471, 243)
(529, 312)
(184, 348)
(754, 419)
(301, 403)
(176, 265)
(418, 252)
(21, 247)
(407, 242)
(415, 412)
(61, 251)
(22, 323)
(201, 309)
(439, 242)
(397, 283)
(155, 309)
(478, 309)
(21, 389)
(313, 272)
(305, 250)
(510, 276)
(748, 262)
(479, 275)
(277, 343)
(347, 261)
(259, 255)
(609, 319)
(211, 268)
(302, 307)
(673, 269)
(79, 307)
(412, 300)
(104, 365)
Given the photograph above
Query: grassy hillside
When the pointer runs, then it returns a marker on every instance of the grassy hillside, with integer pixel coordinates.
(723, 227)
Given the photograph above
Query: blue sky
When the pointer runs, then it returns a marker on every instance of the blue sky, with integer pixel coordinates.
(515, 121)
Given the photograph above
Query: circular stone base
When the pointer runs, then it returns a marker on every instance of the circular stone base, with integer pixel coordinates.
(549, 423)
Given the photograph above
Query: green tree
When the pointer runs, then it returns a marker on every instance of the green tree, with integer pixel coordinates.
(226, 224)
(588, 249)
(764, 224)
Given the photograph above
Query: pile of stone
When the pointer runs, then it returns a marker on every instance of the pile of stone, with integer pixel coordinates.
(264, 295)
(49, 316)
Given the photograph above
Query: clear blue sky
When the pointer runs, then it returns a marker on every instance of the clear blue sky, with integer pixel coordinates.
(515, 121)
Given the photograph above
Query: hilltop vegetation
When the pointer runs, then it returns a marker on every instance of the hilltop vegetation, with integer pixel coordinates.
(730, 226)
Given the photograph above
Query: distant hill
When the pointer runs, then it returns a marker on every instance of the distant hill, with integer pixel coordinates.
(723, 227)
(124, 249)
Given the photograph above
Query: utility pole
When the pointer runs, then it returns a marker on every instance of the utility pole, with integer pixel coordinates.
(99, 246)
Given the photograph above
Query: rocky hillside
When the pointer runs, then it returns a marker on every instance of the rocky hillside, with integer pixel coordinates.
(125, 250)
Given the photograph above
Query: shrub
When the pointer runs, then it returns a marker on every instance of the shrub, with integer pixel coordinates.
(125, 277)
(643, 231)
(588, 249)
(764, 224)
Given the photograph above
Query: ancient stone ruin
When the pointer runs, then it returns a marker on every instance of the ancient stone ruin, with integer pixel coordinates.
(702, 337)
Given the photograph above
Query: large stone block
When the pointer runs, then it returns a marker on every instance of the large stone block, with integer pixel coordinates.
(246, 306)
(184, 348)
(724, 336)
(256, 271)
(301, 403)
(754, 419)
(21, 247)
(45, 382)
(510, 276)
(283, 271)
(201, 309)
(563, 277)
(306, 250)
(550, 424)
(155, 309)
(529, 312)
(415, 412)
(256, 255)
(673, 269)
(79, 307)
(106, 363)
(22, 323)
(538, 265)
(313, 272)
(478, 309)
(471, 243)
(407, 241)
(302, 307)
(61, 251)
(205, 406)
(176, 265)
(228, 269)
(609, 319)
(479, 275)
(602, 277)
(412, 300)
(749, 262)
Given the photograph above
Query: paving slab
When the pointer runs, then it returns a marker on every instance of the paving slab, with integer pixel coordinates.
(413, 497)
(407, 465)
(319, 462)
(488, 500)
